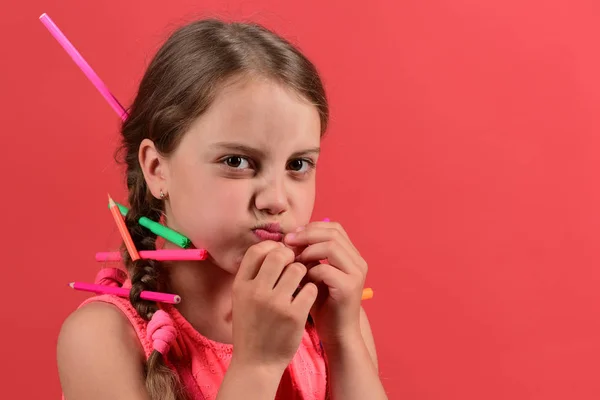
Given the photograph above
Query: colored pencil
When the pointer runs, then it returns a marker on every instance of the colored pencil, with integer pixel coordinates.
(161, 255)
(123, 292)
(83, 65)
(133, 253)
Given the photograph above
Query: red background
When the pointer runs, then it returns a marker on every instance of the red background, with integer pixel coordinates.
(462, 159)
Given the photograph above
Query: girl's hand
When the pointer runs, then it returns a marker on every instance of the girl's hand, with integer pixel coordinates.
(340, 272)
(268, 322)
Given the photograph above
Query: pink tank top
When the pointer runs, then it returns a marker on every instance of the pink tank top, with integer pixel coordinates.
(201, 363)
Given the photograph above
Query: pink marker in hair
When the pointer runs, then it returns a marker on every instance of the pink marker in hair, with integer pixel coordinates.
(160, 255)
(123, 292)
(83, 65)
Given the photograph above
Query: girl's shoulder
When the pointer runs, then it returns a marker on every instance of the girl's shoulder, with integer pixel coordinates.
(98, 343)
(111, 311)
(92, 319)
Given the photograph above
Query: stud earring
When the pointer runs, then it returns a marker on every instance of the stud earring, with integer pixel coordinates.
(162, 195)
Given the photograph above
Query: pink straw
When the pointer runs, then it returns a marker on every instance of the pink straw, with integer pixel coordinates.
(83, 65)
(122, 292)
(161, 255)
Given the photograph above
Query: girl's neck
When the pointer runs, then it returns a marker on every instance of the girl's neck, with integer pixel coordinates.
(205, 291)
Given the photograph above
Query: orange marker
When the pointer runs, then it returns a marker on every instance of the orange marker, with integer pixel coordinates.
(367, 294)
(133, 253)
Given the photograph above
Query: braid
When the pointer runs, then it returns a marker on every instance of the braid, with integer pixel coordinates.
(162, 383)
(144, 274)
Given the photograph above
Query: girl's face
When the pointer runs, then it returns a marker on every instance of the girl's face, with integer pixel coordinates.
(248, 161)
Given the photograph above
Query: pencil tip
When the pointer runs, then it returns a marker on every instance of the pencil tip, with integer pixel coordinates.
(72, 285)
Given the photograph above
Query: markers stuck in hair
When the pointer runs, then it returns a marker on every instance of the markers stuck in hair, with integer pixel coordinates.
(83, 65)
(160, 230)
(159, 255)
(123, 292)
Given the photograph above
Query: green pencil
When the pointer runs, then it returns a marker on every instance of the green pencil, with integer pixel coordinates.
(160, 230)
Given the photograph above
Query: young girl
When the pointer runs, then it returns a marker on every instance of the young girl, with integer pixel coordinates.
(222, 142)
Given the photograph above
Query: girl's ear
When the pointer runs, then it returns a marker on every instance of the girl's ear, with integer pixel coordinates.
(154, 168)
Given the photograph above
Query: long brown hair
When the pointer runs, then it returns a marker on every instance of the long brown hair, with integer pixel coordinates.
(178, 86)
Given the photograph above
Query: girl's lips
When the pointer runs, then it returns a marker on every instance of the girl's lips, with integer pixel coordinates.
(264, 234)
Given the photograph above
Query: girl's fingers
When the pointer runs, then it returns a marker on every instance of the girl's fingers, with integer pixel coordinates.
(327, 274)
(306, 297)
(254, 258)
(273, 265)
(333, 252)
(313, 234)
(290, 279)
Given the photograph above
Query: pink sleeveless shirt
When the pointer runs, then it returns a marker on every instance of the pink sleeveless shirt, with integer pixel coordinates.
(201, 363)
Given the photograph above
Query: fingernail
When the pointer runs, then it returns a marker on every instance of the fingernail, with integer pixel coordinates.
(299, 229)
(290, 236)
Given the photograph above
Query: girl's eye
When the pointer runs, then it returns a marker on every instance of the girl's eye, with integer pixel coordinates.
(236, 162)
(300, 165)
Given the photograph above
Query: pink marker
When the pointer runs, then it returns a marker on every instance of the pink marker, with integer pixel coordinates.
(83, 65)
(160, 255)
(122, 292)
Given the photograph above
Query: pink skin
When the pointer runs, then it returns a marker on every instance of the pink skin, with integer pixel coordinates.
(226, 204)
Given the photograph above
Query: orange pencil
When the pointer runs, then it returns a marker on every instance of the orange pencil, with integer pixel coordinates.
(133, 253)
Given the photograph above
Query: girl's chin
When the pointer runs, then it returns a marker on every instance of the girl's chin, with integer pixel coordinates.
(230, 264)
(229, 258)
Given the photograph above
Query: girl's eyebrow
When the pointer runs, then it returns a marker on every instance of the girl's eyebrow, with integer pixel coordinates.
(312, 150)
(251, 151)
(238, 147)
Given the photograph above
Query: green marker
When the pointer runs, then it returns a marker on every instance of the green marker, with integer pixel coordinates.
(160, 230)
